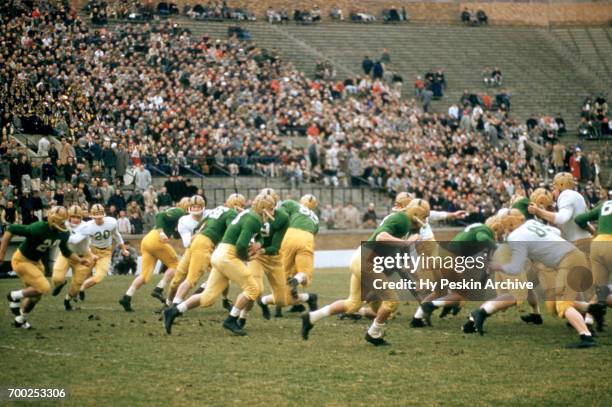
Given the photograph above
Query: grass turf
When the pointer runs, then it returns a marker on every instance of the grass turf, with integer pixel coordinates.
(105, 357)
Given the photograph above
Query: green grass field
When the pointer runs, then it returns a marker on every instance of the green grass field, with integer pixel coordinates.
(107, 357)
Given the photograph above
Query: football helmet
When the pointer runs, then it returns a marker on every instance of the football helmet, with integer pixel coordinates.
(310, 201)
(263, 205)
(402, 200)
(57, 217)
(271, 192)
(236, 201)
(542, 198)
(197, 204)
(563, 181)
(97, 211)
(184, 204)
(512, 220)
(418, 210)
(496, 224)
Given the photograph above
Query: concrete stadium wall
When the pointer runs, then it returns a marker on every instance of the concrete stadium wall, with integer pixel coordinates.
(501, 12)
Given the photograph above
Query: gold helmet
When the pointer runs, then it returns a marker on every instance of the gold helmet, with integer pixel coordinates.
(563, 181)
(196, 205)
(310, 201)
(263, 205)
(236, 201)
(184, 204)
(75, 211)
(542, 197)
(418, 210)
(496, 224)
(57, 217)
(512, 220)
(402, 200)
(97, 211)
(271, 192)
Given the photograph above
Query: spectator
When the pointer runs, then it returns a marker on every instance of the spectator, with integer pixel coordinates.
(339, 217)
(149, 218)
(136, 223)
(351, 216)
(370, 220)
(335, 13)
(385, 57)
(43, 146)
(142, 178)
(367, 65)
(123, 224)
(327, 217)
(482, 17)
(125, 264)
(117, 200)
(164, 199)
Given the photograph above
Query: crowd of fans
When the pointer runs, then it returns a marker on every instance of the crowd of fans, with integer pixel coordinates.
(594, 118)
(474, 18)
(154, 99)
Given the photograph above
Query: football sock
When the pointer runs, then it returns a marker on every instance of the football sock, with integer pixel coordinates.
(268, 299)
(376, 329)
(177, 300)
(419, 313)
(588, 319)
(489, 307)
(439, 303)
(304, 297)
(131, 291)
(182, 307)
(243, 314)
(301, 278)
(235, 312)
(162, 284)
(22, 318)
(585, 333)
(17, 294)
(319, 314)
(363, 311)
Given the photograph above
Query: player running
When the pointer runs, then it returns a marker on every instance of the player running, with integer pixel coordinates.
(228, 264)
(393, 228)
(40, 237)
(156, 246)
(211, 231)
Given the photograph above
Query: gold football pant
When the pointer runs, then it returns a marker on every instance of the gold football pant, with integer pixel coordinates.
(195, 261)
(31, 273)
(226, 267)
(297, 253)
(80, 273)
(503, 255)
(271, 266)
(570, 272)
(354, 301)
(152, 249)
(102, 265)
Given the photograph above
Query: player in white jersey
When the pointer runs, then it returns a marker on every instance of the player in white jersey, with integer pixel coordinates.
(77, 245)
(187, 226)
(532, 240)
(101, 231)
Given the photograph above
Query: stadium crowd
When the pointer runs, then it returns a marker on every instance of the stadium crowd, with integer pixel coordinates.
(155, 99)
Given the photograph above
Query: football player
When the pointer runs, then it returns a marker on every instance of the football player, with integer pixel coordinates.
(228, 264)
(40, 237)
(202, 247)
(533, 240)
(393, 228)
(77, 245)
(156, 246)
(297, 250)
(601, 247)
(268, 260)
(100, 231)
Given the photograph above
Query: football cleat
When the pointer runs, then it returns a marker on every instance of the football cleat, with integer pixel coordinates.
(170, 315)
(479, 316)
(428, 308)
(265, 310)
(306, 325)
(297, 308)
(468, 327)
(22, 325)
(598, 311)
(376, 341)
(227, 304)
(585, 342)
(353, 316)
(159, 294)
(450, 309)
(67, 305)
(278, 313)
(231, 324)
(126, 303)
(535, 319)
(81, 295)
(58, 288)
(241, 322)
(14, 306)
(293, 286)
(312, 302)
(417, 323)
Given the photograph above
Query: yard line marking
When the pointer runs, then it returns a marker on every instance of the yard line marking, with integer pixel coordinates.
(40, 352)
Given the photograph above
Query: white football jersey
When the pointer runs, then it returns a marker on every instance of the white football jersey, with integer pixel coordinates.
(78, 243)
(186, 227)
(537, 242)
(102, 235)
(569, 205)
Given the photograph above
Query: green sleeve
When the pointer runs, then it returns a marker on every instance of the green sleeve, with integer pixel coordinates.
(20, 230)
(63, 246)
(484, 237)
(290, 206)
(159, 221)
(229, 218)
(246, 233)
(582, 219)
(277, 237)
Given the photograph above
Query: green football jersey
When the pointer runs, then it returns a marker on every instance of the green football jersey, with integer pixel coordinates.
(602, 213)
(397, 224)
(239, 233)
(216, 222)
(40, 237)
(168, 220)
(272, 232)
(522, 205)
(471, 240)
(300, 217)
